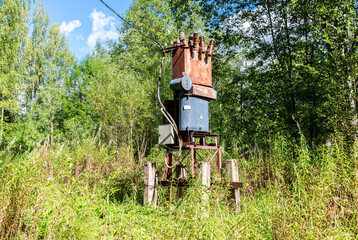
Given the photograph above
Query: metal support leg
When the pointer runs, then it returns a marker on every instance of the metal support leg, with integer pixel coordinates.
(169, 160)
(169, 173)
(193, 160)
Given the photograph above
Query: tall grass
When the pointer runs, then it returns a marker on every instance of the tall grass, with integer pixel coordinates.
(90, 192)
(313, 195)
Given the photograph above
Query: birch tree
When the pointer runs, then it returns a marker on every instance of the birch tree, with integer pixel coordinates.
(48, 62)
(13, 29)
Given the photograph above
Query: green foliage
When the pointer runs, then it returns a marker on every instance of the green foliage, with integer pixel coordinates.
(335, 26)
(121, 102)
(88, 191)
(284, 60)
(13, 28)
(76, 134)
(47, 62)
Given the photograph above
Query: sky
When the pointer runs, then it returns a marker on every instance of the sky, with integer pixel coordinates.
(83, 22)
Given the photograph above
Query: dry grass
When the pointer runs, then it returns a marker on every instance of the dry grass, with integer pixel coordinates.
(91, 191)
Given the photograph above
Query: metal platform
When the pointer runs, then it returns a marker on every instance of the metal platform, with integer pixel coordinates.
(192, 141)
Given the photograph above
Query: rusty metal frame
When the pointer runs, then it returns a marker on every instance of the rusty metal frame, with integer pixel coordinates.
(190, 144)
(167, 183)
(191, 147)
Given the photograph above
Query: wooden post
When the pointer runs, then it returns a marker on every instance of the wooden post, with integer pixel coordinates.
(233, 176)
(219, 162)
(181, 175)
(151, 184)
(193, 160)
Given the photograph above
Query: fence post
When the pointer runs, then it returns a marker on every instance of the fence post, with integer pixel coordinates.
(181, 175)
(206, 182)
(151, 183)
(233, 176)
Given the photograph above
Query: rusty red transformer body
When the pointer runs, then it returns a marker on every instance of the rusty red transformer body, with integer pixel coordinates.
(193, 58)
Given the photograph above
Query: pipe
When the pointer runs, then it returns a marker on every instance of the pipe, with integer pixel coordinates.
(167, 165)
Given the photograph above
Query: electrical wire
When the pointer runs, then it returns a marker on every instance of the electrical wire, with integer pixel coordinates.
(167, 165)
(133, 26)
(170, 122)
(177, 159)
(163, 109)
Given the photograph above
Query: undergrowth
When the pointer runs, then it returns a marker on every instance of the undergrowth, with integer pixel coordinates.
(89, 191)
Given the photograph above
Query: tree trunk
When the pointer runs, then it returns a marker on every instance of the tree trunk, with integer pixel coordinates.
(2, 125)
(51, 133)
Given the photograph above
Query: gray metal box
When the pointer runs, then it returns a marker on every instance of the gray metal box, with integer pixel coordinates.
(166, 134)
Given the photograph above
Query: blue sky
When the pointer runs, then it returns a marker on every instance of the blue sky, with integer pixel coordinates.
(85, 21)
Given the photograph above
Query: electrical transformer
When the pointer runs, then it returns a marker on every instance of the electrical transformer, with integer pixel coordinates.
(191, 84)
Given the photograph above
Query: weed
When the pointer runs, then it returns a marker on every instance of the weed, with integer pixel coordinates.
(88, 191)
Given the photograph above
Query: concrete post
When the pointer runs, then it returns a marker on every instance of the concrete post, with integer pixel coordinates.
(206, 182)
(151, 183)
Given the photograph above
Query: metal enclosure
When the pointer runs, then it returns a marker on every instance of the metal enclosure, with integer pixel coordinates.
(166, 134)
(189, 108)
(194, 114)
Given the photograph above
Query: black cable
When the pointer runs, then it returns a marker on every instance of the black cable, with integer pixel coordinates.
(133, 26)
(162, 62)
(160, 71)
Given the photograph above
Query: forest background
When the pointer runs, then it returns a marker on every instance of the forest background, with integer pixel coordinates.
(74, 134)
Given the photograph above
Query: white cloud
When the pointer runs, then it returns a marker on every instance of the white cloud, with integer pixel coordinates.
(103, 28)
(66, 28)
(80, 38)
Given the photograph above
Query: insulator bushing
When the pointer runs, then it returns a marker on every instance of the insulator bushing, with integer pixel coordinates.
(181, 35)
(191, 40)
(196, 39)
(211, 47)
(201, 44)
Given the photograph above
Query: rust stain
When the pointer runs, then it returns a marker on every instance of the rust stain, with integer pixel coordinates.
(203, 91)
(189, 61)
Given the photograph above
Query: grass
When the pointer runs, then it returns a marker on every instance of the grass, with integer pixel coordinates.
(91, 192)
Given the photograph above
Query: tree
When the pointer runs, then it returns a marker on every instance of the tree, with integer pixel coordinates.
(48, 63)
(13, 29)
(335, 25)
(139, 60)
(35, 56)
(285, 67)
